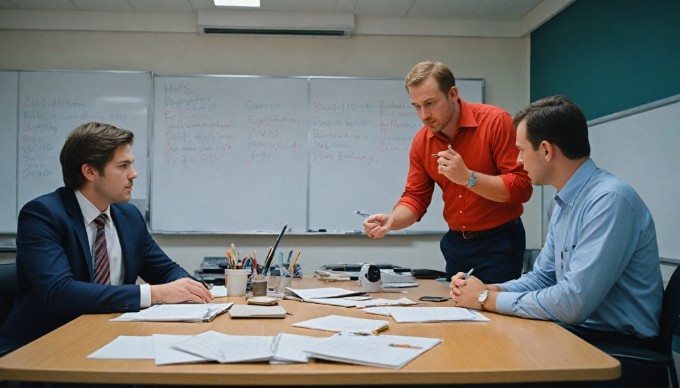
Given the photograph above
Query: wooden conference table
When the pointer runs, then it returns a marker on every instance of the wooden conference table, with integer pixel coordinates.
(505, 349)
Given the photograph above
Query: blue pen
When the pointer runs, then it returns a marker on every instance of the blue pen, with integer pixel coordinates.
(469, 273)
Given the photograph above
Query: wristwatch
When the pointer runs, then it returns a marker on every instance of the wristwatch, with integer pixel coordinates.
(483, 296)
(472, 180)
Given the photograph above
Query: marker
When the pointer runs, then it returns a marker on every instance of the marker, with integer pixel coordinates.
(359, 212)
(407, 346)
(469, 273)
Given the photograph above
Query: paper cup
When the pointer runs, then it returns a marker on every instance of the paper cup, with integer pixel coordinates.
(237, 280)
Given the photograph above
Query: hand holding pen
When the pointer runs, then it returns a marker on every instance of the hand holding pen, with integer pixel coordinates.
(452, 166)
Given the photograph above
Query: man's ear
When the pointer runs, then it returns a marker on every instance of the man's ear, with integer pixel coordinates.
(548, 150)
(89, 171)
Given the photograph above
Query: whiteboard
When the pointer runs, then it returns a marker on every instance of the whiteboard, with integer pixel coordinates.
(360, 136)
(641, 147)
(8, 150)
(229, 154)
(53, 103)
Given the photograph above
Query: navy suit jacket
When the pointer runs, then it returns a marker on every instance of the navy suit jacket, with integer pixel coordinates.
(54, 266)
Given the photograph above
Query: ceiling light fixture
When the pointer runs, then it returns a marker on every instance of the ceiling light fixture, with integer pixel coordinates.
(237, 3)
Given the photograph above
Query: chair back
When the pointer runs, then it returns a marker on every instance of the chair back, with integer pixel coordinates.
(8, 289)
(670, 311)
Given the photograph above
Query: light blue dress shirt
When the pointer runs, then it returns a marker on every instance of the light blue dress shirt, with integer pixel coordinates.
(599, 267)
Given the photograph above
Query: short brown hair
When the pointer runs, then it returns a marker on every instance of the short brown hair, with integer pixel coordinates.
(437, 70)
(91, 143)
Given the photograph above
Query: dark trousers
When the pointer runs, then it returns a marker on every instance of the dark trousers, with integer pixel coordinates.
(495, 258)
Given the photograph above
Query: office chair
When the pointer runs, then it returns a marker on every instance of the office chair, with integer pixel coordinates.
(661, 354)
(530, 256)
(8, 293)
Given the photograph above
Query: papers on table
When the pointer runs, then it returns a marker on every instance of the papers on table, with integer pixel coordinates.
(387, 351)
(256, 311)
(185, 312)
(338, 323)
(344, 298)
(325, 292)
(126, 347)
(382, 351)
(428, 314)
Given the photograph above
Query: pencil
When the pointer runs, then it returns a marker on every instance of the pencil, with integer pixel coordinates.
(292, 263)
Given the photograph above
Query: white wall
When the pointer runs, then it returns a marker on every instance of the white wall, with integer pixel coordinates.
(503, 63)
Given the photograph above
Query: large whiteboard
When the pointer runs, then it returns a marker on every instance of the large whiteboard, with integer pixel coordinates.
(229, 154)
(9, 81)
(53, 103)
(641, 146)
(250, 154)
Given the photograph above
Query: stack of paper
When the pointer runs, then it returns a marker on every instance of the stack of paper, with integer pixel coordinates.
(387, 351)
(255, 311)
(428, 314)
(337, 323)
(382, 351)
(185, 312)
(324, 292)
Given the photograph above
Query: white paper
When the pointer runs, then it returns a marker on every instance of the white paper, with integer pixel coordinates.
(226, 348)
(126, 348)
(325, 292)
(218, 291)
(291, 347)
(164, 353)
(371, 350)
(428, 314)
(338, 323)
(184, 312)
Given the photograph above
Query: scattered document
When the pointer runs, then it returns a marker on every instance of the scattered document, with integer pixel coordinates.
(387, 351)
(126, 348)
(225, 348)
(428, 314)
(218, 291)
(291, 348)
(256, 311)
(164, 353)
(326, 292)
(338, 323)
(184, 312)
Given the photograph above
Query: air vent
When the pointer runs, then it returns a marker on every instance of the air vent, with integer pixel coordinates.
(275, 23)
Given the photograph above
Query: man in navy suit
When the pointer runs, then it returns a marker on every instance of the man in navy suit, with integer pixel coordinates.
(56, 244)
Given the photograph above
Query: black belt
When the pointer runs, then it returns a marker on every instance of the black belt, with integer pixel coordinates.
(468, 235)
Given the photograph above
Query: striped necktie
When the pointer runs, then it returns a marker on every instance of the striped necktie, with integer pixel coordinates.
(101, 255)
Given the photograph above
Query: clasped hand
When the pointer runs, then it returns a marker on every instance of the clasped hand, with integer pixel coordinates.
(464, 292)
(452, 166)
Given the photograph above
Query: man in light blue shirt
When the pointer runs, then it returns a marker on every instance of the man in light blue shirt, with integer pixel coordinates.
(598, 273)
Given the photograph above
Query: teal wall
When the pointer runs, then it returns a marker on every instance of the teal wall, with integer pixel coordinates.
(608, 55)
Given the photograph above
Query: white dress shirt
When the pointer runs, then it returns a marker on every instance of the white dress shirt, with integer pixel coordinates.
(116, 266)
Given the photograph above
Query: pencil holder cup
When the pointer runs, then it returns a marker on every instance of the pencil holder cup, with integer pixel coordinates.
(237, 280)
(282, 282)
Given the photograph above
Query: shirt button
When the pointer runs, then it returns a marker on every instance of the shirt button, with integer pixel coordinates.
(460, 196)
(460, 211)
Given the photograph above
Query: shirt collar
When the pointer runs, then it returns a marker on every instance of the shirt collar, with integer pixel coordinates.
(467, 118)
(576, 183)
(90, 212)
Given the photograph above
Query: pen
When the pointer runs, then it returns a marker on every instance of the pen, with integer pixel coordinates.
(469, 273)
(292, 264)
(407, 346)
(435, 155)
(359, 212)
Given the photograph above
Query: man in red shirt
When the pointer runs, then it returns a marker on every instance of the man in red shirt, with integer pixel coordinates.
(469, 151)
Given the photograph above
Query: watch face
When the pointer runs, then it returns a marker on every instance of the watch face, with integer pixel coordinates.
(482, 297)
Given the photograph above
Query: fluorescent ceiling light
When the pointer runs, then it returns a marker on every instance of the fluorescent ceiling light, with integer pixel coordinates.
(237, 3)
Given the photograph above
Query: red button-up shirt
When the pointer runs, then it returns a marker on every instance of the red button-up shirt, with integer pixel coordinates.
(485, 140)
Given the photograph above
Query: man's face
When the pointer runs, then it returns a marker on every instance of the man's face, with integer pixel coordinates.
(534, 160)
(435, 109)
(115, 184)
